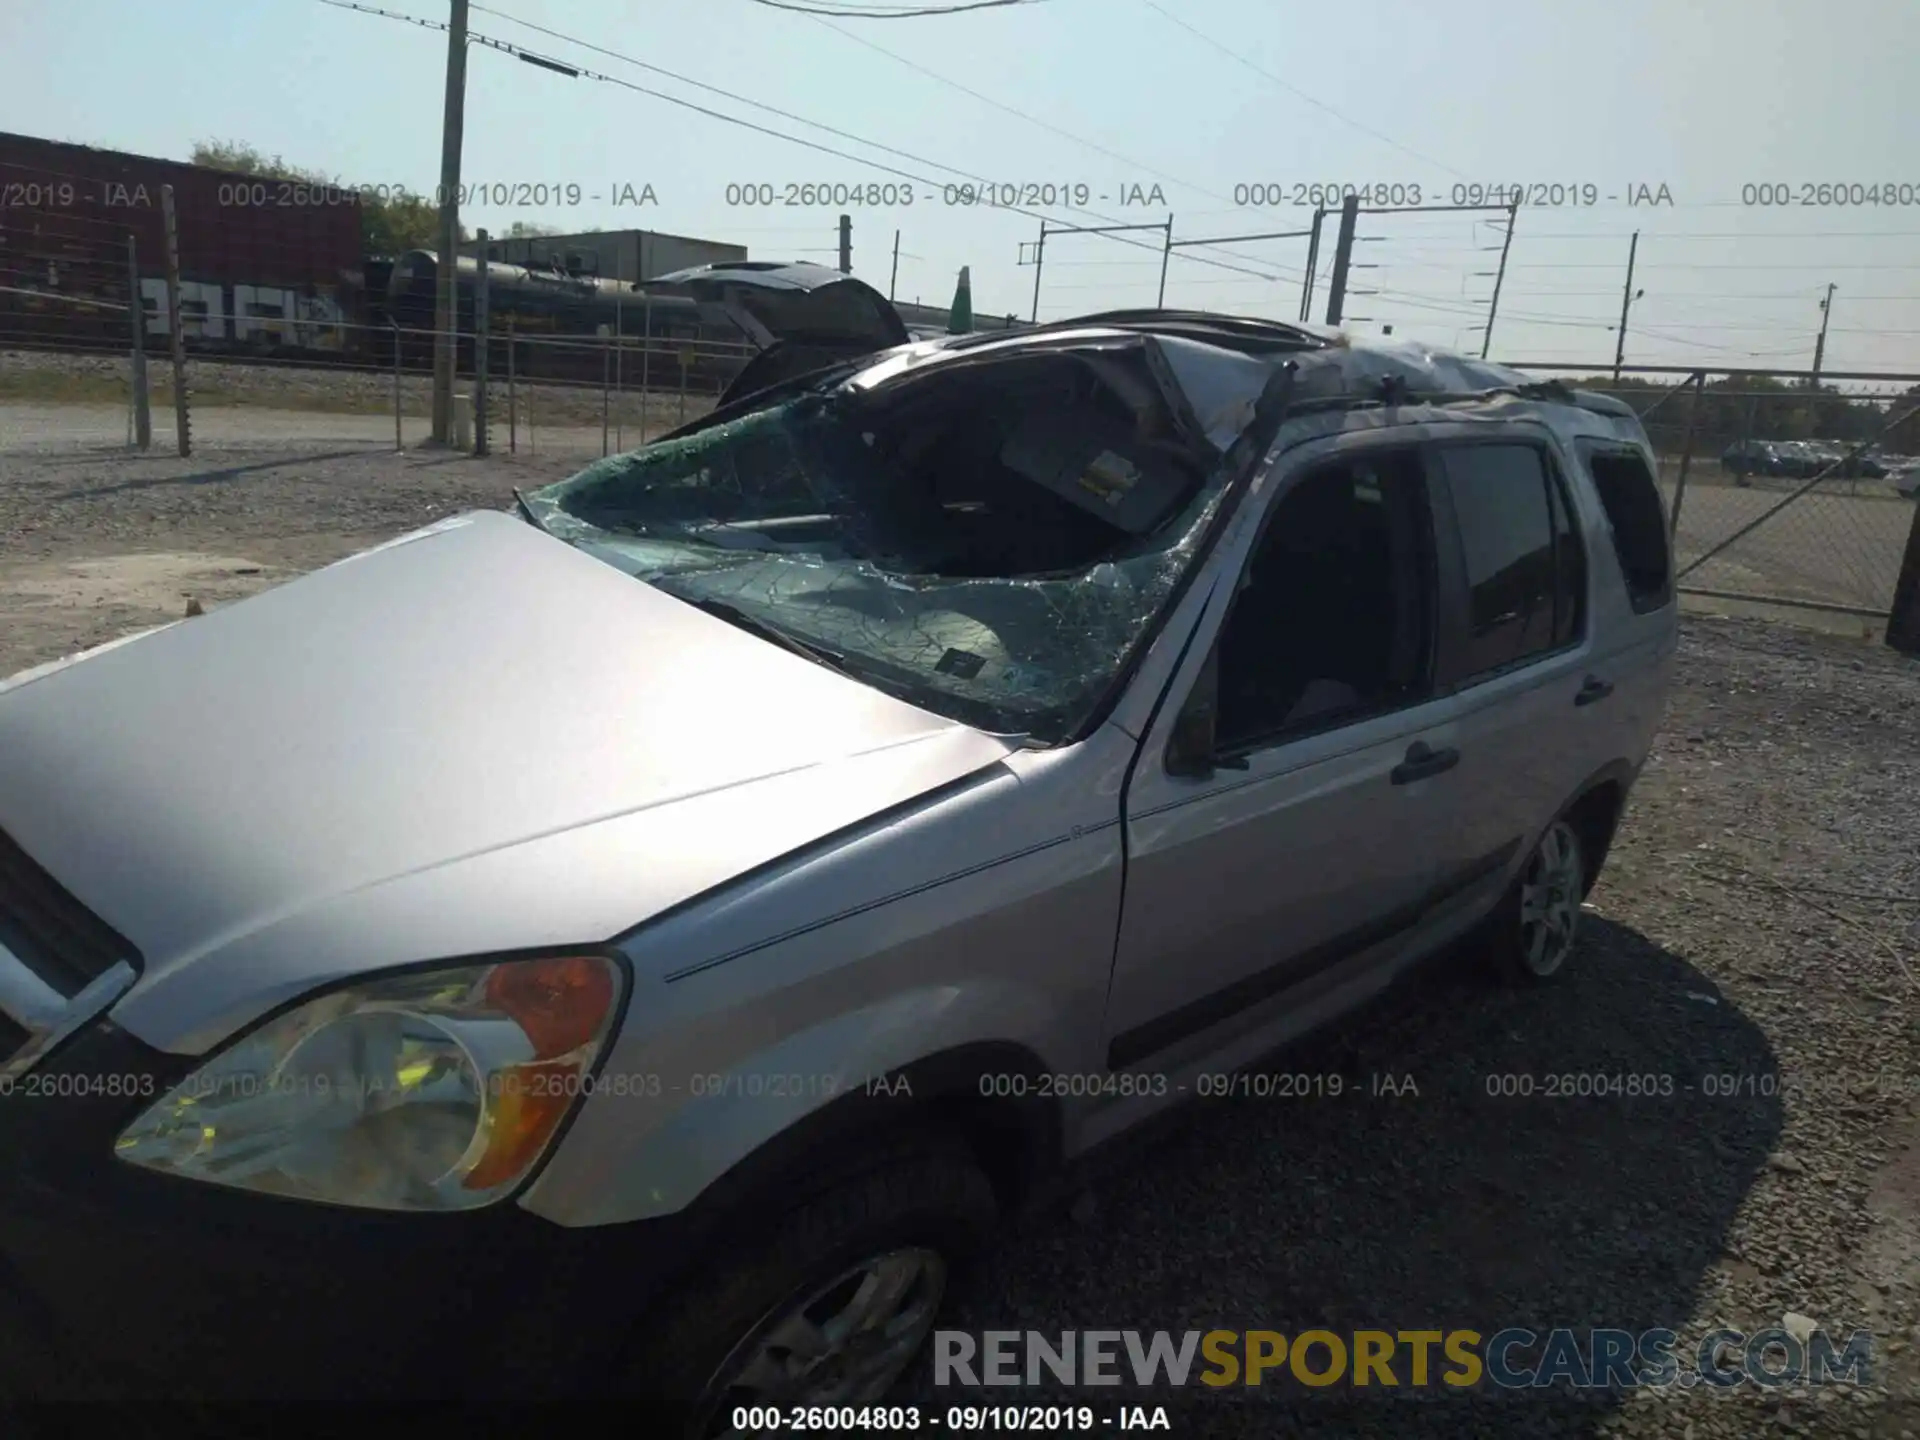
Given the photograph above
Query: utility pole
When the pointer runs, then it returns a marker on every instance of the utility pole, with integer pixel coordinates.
(893, 279)
(137, 316)
(1342, 258)
(1626, 299)
(182, 416)
(481, 326)
(846, 244)
(446, 312)
(1493, 306)
(1820, 345)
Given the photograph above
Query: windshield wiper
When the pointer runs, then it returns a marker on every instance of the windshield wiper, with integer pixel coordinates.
(520, 501)
(753, 625)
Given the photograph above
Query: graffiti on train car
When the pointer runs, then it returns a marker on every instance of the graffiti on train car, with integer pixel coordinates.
(259, 315)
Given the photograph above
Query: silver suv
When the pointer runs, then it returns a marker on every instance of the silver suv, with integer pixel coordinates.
(642, 944)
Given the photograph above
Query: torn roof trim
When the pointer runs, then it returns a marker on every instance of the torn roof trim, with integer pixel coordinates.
(1223, 382)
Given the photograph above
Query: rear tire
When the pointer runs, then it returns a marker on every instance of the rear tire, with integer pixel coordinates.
(824, 1303)
(1532, 932)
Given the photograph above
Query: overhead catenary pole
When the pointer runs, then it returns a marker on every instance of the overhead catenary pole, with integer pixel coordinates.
(1166, 254)
(894, 278)
(1039, 255)
(1313, 261)
(137, 319)
(1342, 259)
(846, 244)
(1820, 345)
(445, 311)
(619, 370)
(182, 420)
(1626, 299)
(1499, 276)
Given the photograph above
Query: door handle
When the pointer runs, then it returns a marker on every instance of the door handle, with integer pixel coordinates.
(1593, 689)
(1422, 761)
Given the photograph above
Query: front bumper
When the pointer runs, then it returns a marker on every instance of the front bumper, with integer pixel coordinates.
(121, 1282)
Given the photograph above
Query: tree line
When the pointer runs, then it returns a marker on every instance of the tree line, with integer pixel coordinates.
(390, 224)
(1762, 407)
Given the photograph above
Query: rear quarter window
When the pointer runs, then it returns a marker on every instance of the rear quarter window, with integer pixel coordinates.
(1637, 519)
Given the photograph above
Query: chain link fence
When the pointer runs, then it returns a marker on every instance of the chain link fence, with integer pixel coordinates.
(141, 305)
(92, 397)
(1784, 490)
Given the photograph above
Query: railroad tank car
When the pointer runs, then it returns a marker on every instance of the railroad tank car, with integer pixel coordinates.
(556, 320)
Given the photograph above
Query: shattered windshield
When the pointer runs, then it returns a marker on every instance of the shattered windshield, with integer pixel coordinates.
(995, 563)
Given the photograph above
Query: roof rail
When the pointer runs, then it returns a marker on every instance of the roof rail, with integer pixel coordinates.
(1249, 327)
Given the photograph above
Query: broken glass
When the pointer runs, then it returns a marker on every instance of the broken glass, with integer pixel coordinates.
(792, 516)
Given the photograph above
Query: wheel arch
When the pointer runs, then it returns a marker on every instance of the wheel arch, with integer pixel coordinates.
(1594, 809)
(944, 1096)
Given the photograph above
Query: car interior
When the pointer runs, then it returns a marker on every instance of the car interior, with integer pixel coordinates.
(1333, 619)
(1023, 467)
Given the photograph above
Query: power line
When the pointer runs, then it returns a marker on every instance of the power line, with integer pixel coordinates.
(1296, 91)
(1724, 235)
(860, 12)
(802, 120)
(1669, 265)
(713, 90)
(1050, 127)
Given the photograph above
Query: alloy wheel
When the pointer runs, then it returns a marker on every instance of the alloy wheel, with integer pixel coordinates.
(841, 1343)
(1550, 895)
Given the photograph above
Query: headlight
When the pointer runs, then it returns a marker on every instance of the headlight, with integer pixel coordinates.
(438, 1090)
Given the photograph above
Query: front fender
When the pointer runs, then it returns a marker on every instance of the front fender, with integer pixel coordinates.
(855, 1071)
(985, 917)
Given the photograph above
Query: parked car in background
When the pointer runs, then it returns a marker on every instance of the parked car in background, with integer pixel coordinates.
(643, 946)
(1745, 458)
(1798, 459)
(1869, 464)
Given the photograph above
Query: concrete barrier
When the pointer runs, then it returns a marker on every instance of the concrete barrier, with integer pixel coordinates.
(463, 422)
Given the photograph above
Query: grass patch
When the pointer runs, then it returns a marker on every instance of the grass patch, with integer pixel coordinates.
(52, 387)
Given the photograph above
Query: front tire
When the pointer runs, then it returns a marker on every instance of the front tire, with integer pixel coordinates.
(824, 1304)
(1533, 931)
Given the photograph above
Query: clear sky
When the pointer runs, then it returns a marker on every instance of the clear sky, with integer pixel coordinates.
(1197, 97)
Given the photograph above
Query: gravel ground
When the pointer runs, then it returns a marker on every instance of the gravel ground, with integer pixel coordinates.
(1754, 932)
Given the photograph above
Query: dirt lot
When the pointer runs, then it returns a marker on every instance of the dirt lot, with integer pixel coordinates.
(1750, 953)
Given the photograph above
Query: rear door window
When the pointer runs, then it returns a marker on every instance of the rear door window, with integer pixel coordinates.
(1638, 521)
(1520, 553)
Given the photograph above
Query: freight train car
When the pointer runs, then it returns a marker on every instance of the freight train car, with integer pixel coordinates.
(558, 321)
(266, 266)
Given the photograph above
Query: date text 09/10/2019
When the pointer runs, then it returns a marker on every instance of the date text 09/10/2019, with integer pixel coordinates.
(891, 194)
(496, 194)
(1412, 195)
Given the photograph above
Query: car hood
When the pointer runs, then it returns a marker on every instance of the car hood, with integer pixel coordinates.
(470, 740)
